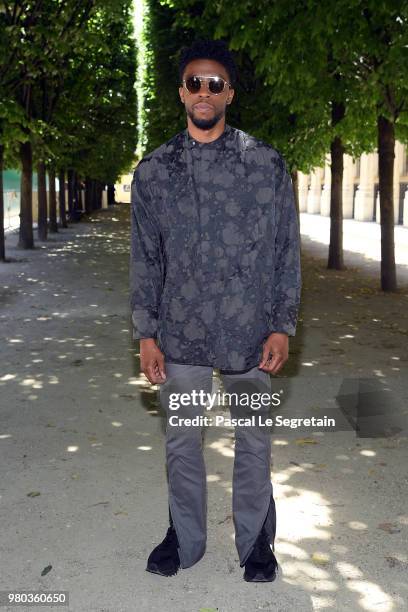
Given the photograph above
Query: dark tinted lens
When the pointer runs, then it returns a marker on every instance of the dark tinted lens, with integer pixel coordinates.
(193, 84)
(216, 85)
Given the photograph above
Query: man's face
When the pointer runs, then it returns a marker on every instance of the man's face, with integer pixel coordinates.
(204, 108)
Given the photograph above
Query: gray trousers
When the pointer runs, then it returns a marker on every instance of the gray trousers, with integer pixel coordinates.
(253, 504)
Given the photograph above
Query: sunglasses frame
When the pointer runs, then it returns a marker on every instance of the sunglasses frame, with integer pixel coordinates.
(205, 78)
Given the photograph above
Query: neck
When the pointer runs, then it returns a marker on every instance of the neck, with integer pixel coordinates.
(206, 135)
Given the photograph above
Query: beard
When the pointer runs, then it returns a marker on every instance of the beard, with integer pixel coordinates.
(205, 124)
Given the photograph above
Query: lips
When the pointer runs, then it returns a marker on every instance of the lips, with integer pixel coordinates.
(203, 107)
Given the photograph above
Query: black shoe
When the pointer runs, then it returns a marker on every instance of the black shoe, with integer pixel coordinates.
(164, 559)
(261, 565)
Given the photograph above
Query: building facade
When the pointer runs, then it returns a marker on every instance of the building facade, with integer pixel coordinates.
(361, 198)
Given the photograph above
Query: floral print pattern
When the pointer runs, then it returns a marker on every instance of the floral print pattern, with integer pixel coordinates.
(215, 257)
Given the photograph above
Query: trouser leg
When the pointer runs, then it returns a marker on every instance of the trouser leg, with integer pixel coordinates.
(187, 483)
(253, 504)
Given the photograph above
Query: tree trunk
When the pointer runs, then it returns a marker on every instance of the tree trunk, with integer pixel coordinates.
(98, 195)
(79, 192)
(2, 241)
(53, 227)
(62, 204)
(93, 194)
(74, 214)
(111, 195)
(70, 194)
(335, 260)
(26, 237)
(42, 202)
(295, 183)
(88, 194)
(96, 203)
(386, 145)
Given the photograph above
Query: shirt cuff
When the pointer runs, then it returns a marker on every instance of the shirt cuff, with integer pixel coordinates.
(144, 324)
(283, 323)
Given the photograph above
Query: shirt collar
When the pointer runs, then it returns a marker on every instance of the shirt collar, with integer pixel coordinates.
(192, 143)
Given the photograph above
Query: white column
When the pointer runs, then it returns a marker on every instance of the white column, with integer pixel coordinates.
(405, 215)
(364, 198)
(348, 186)
(313, 199)
(104, 199)
(325, 195)
(404, 179)
(303, 186)
(398, 170)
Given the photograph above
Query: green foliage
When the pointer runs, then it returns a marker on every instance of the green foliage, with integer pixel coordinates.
(298, 59)
(161, 113)
(376, 55)
(67, 74)
(258, 106)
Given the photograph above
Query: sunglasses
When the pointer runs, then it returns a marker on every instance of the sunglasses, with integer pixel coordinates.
(215, 84)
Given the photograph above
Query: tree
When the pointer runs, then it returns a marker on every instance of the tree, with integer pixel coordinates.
(64, 58)
(377, 52)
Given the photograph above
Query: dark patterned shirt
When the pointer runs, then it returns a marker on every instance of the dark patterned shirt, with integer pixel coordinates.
(214, 262)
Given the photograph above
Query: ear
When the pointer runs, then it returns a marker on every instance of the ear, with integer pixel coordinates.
(181, 94)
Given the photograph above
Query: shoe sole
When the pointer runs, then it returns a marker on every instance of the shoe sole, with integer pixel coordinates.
(153, 569)
(260, 577)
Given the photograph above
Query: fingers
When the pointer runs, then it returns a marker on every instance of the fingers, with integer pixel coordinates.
(276, 363)
(154, 370)
(160, 366)
(265, 357)
(273, 363)
(153, 373)
(152, 363)
(275, 353)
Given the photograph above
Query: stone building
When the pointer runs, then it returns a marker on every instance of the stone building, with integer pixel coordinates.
(361, 199)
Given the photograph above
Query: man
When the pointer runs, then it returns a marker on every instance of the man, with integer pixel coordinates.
(215, 283)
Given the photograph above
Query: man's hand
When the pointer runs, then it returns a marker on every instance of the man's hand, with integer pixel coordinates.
(152, 361)
(278, 345)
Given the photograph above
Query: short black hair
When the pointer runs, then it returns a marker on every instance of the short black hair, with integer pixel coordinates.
(205, 48)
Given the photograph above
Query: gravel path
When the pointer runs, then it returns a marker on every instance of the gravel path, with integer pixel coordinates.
(83, 484)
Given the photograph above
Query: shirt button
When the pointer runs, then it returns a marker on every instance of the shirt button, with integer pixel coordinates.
(193, 142)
